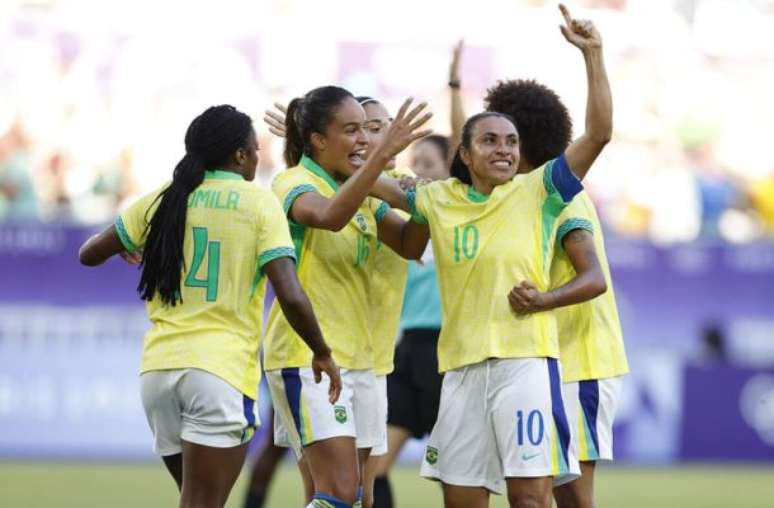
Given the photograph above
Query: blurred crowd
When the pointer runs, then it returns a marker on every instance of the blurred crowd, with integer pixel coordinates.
(91, 116)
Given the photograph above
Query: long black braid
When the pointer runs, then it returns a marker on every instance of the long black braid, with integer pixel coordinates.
(210, 141)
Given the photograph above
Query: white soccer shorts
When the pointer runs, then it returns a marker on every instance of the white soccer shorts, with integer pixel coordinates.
(591, 406)
(303, 414)
(195, 406)
(498, 419)
(381, 383)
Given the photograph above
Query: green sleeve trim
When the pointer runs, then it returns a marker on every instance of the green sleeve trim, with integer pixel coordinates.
(294, 193)
(381, 211)
(275, 253)
(416, 215)
(123, 235)
(571, 225)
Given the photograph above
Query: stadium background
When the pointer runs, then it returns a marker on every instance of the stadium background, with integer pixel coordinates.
(95, 98)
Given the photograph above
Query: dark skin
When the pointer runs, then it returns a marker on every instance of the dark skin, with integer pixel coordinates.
(204, 475)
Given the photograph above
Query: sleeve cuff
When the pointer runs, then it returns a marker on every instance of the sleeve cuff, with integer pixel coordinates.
(571, 225)
(558, 178)
(123, 235)
(381, 211)
(276, 253)
(416, 215)
(294, 193)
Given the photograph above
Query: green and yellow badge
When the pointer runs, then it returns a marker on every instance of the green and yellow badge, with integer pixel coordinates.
(431, 455)
(341, 413)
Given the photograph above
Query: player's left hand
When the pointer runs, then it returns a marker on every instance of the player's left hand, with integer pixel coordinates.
(526, 298)
(581, 33)
(408, 183)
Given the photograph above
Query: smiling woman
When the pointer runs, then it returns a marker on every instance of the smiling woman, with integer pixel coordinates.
(335, 227)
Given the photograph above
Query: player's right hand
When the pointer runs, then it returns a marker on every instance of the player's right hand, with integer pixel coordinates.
(404, 129)
(133, 258)
(324, 363)
(581, 33)
(276, 119)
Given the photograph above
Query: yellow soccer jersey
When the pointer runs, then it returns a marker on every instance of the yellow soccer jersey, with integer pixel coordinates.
(335, 270)
(387, 289)
(483, 246)
(232, 229)
(590, 337)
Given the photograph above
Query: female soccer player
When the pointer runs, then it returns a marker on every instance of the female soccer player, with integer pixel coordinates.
(389, 273)
(335, 226)
(501, 414)
(208, 238)
(590, 337)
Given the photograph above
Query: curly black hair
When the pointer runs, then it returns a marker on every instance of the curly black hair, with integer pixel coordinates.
(544, 124)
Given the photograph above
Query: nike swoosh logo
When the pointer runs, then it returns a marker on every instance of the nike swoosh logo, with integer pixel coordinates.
(524, 456)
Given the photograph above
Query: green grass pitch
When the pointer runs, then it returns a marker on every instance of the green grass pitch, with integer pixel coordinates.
(79, 485)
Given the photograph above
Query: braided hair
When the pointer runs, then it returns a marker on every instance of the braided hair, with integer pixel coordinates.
(310, 113)
(210, 141)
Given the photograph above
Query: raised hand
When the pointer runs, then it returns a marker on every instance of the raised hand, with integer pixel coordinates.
(325, 363)
(525, 298)
(276, 119)
(454, 68)
(581, 33)
(404, 129)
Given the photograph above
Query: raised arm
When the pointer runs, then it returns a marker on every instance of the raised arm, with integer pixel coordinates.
(298, 310)
(582, 153)
(314, 210)
(589, 281)
(455, 89)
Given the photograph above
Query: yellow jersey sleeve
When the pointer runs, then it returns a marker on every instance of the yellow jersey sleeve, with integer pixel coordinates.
(289, 184)
(132, 224)
(273, 232)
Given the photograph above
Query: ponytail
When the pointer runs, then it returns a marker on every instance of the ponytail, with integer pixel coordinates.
(294, 142)
(211, 139)
(309, 114)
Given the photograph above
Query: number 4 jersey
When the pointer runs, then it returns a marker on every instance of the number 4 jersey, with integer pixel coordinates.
(485, 245)
(233, 228)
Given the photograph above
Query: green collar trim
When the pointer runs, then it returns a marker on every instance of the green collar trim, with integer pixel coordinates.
(476, 196)
(315, 168)
(220, 174)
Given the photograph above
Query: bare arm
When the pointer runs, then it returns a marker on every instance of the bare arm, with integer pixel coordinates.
(100, 247)
(389, 190)
(334, 213)
(407, 238)
(582, 153)
(299, 313)
(589, 281)
(457, 109)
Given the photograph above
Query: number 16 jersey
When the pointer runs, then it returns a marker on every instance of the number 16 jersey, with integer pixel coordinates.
(232, 229)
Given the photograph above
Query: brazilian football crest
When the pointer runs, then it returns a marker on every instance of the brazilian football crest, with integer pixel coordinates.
(341, 413)
(431, 455)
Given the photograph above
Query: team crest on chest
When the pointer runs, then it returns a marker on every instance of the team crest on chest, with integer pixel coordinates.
(361, 222)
